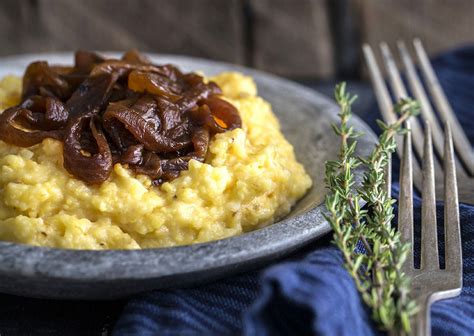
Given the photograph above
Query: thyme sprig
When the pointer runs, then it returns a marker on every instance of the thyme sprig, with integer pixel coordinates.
(377, 271)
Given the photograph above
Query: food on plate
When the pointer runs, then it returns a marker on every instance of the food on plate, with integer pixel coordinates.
(123, 153)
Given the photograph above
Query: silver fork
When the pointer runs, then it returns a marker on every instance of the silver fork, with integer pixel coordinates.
(429, 282)
(465, 154)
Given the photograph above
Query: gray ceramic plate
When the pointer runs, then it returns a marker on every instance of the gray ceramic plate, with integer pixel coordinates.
(305, 116)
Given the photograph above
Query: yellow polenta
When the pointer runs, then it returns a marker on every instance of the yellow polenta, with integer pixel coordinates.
(249, 179)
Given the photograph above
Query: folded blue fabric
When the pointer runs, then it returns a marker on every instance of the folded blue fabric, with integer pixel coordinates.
(309, 293)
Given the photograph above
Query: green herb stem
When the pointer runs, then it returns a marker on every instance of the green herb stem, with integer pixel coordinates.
(377, 273)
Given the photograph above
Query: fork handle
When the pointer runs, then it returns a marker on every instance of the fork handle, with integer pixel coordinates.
(422, 322)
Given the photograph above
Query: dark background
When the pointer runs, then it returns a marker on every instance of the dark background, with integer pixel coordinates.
(316, 42)
(295, 38)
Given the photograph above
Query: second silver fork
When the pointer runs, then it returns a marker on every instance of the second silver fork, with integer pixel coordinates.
(465, 171)
(430, 283)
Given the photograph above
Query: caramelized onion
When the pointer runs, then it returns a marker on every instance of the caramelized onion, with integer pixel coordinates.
(150, 117)
(41, 79)
(155, 84)
(144, 130)
(87, 163)
(36, 119)
(217, 114)
(134, 56)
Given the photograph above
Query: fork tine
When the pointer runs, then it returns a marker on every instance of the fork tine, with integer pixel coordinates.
(381, 92)
(394, 76)
(405, 202)
(451, 208)
(461, 142)
(399, 88)
(429, 241)
(420, 94)
(383, 98)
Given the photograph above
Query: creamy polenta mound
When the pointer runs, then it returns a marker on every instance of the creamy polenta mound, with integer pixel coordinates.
(249, 179)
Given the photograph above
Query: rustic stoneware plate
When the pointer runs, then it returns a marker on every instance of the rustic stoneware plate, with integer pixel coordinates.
(305, 116)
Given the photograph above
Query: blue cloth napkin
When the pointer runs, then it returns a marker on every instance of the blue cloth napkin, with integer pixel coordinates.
(310, 293)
